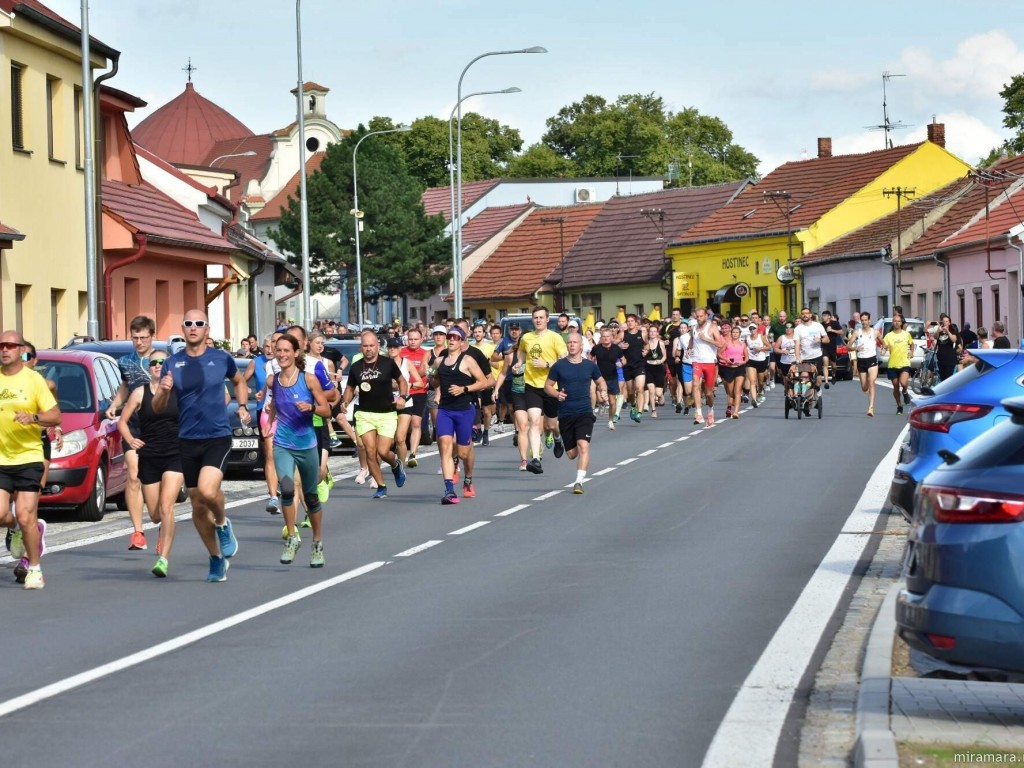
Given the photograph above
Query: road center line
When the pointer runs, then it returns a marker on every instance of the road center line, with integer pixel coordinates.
(648, 453)
(548, 495)
(680, 439)
(420, 548)
(512, 510)
(603, 471)
(666, 445)
(696, 432)
(469, 528)
(174, 644)
(624, 462)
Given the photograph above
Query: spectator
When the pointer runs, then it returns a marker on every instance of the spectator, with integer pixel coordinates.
(999, 338)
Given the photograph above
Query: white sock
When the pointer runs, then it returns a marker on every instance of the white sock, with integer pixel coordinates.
(580, 474)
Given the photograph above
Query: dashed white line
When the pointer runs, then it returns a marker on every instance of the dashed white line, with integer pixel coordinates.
(603, 471)
(512, 510)
(624, 462)
(666, 445)
(469, 528)
(680, 439)
(648, 453)
(548, 495)
(420, 548)
(696, 432)
(572, 484)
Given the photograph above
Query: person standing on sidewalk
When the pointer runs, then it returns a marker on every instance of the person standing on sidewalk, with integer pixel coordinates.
(569, 383)
(26, 406)
(196, 376)
(134, 374)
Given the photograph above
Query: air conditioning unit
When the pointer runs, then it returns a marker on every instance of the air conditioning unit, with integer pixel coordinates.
(586, 194)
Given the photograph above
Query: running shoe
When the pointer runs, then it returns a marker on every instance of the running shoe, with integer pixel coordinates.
(8, 537)
(616, 419)
(450, 498)
(361, 476)
(549, 440)
(754, 403)
(559, 448)
(323, 491)
(611, 425)
(736, 416)
(218, 569)
(226, 539)
(380, 493)
(728, 411)
(654, 414)
(20, 570)
(679, 407)
(698, 417)
(515, 439)
(284, 533)
(535, 467)
(335, 442)
(373, 483)
(477, 435)
(41, 525)
(274, 505)
(634, 414)
(760, 396)
(16, 544)
(578, 488)
(160, 567)
(412, 463)
(906, 397)
(826, 385)
(711, 418)
(316, 557)
(686, 410)
(137, 541)
(522, 465)
(899, 410)
(34, 579)
(306, 523)
(291, 546)
(744, 398)
(871, 411)
(486, 438)
(399, 472)
(468, 491)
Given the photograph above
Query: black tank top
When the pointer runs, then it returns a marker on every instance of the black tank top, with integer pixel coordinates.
(159, 431)
(450, 374)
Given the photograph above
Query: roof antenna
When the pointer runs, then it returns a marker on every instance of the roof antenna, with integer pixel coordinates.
(887, 125)
(190, 69)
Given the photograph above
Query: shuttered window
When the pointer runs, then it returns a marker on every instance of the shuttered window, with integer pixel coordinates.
(17, 114)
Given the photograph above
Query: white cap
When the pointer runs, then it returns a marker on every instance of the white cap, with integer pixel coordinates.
(598, 325)
(573, 324)
(439, 329)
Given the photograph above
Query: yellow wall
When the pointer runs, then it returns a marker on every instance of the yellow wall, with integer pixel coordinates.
(43, 198)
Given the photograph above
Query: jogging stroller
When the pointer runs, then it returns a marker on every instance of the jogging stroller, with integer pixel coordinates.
(802, 392)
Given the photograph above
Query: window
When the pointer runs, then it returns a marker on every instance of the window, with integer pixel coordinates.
(790, 301)
(502, 313)
(638, 309)
(997, 310)
(979, 308)
(54, 118)
(20, 298)
(937, 306)
(79, 131)
(761, 301)
(905, 303)
(17, 114)
(963, 306)
(855, 307)
(831, 307)
(883, 306)
(56, 297)
(922, 306)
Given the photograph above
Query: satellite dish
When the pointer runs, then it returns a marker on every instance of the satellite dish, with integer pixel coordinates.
(785, 274)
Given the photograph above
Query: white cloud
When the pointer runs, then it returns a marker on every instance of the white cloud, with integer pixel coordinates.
(978, 69)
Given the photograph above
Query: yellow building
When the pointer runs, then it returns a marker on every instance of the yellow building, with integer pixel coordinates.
(42, 181)
(736, 259)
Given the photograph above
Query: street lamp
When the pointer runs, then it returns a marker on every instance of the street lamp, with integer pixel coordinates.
(357, 216)
(303, 207)
(451, 181)
(250, 153)
(458, 164)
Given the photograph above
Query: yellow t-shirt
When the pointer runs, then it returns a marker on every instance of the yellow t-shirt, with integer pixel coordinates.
(898, 343)
(544, 346)
(26, 391)
(487, 347)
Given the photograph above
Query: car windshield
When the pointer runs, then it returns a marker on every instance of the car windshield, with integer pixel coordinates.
(914, 327)
(74, 387)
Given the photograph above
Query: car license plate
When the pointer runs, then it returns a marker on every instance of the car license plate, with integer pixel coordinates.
(243, 444)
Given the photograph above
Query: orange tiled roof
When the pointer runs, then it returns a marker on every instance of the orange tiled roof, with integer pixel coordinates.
(309, 85)
(487, 224)
(816, 186)
(273, 209)
(439, 199)
(530, 255)
(249, 168)
(624, 246)
(149, 211)
(186, 128)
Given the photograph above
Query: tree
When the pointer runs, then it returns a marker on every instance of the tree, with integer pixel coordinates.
(403, 251)
(540, 161)
(1013, 96)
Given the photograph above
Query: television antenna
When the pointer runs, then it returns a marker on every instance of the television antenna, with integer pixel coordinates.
(887, 125)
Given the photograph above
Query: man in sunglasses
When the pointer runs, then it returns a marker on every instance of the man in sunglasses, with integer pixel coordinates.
(134, 374)
(28, 405)
(196, 374)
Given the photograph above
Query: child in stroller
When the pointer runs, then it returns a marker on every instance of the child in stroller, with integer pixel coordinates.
(802, 390)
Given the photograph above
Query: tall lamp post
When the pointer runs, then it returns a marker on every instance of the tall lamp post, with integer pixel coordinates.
(357, 216)
(303, 207)
(458, 165)
(456, 261)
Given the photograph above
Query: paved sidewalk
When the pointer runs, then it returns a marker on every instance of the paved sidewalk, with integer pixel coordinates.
(967, 712)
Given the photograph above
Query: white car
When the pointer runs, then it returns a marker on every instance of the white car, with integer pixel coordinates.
(916, 327)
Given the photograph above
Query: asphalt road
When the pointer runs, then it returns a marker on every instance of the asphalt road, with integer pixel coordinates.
(527, 626)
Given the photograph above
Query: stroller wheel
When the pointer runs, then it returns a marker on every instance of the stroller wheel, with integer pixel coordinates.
(819, 406)
(787, 406)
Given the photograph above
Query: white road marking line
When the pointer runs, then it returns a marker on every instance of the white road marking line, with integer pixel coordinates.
(174, 644)
(680, 439)
(512, 510)
(624, 462)
(469, 528)
(749, 733)
(420, 548)
(603, 471)
(573, 484)
(666, 445)
(648, 453)
(548, 495)
(696, 432)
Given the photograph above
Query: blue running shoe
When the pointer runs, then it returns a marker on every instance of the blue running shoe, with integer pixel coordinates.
(381, 493)
(559, 448)
(218, 569)
(226, 539)
(399, 472)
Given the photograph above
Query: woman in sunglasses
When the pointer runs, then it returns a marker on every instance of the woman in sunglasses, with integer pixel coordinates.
(156, 444)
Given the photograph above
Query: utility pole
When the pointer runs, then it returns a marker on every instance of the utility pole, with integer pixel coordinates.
(560, 221)
(897, 275)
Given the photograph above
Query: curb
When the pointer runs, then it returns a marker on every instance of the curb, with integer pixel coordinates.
(876, 743)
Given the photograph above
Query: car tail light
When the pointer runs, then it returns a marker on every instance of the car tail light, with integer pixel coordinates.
(960, 505)
(942, 642)
(841, 349)
(939, 418)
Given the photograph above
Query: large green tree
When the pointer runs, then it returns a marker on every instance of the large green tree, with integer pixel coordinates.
(1013, 109)
(403, 251)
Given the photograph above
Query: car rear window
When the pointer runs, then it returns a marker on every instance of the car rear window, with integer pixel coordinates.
(965, 376)
(1001, 446)
(74, 385)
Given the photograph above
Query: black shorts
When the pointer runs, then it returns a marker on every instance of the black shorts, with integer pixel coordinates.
(21, 477)
(784, 368)
(536, 398)
(518, 400)
(655, 375)
(196, 454)
(486, 397)
(731, 373)
(576, 427)
(419, 404)
(632, 372)
(323, 439)
(613, 385)
(152, 468)
(818, 363)
(895, 373)
(758, 365)
(863, 363)
(506, 390)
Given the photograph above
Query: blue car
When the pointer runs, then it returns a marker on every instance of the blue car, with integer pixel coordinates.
(952, 414)
(963, 596)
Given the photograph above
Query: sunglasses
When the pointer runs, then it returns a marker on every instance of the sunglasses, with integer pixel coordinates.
(10, 345)
(454, 336)
(194, 323)
(155, 363)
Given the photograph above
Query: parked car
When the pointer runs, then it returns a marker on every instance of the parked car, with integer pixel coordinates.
(963, 598)
(844, 370)
(915, 326)
(118, 347)
(89, 470)
(952, 414)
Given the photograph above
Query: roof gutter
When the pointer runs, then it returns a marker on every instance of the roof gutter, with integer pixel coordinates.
(63, 31)
(1017, 231)
(103, 299)
(110, 269)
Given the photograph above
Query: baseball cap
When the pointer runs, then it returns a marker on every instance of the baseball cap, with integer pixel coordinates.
(573, 324)
(439, 329)
(598, 325)
(393, 342)
(514, 324)
(456, 330)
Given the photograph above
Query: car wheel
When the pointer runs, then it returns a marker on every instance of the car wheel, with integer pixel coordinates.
(92, 510)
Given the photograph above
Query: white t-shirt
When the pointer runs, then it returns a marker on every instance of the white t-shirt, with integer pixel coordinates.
(681, 344)
(809, 335)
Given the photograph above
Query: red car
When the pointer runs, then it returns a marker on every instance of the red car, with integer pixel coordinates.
(90, 468)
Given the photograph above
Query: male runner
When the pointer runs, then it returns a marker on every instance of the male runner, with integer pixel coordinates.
(538, 351)
(632, 345)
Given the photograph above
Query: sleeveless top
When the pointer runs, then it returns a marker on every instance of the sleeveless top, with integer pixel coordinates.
(159, 431)
(788, 346)
(756, 347)
(450, 374)
(294, 427)
(655, 356)
(732, 350)
(865, 343)
(704, 351)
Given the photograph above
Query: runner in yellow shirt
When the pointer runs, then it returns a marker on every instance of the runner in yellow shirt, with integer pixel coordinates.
(538, 351)
(901, 346)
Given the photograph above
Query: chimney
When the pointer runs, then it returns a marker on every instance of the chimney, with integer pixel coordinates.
(825, 147)
(937, 133)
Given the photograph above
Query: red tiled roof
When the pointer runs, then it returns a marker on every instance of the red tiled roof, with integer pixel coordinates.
(9, 233)
(530, 254)
(486, 224)
(273, 209)
(625, 246)
(17, 6)
(439, 199)
(309, 85)
(211, 191)
(186, 128)
(249, 168)
(816, 186)
(145, 209)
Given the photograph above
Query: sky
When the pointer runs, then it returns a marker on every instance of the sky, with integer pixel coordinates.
(779, 75)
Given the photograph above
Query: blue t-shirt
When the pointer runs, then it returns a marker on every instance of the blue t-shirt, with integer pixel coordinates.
(199, 385)
(259, 375)
(134, 370)
(574, 379)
